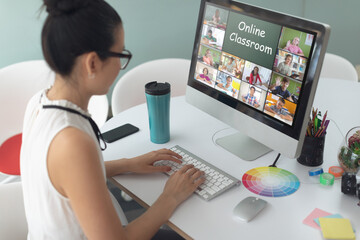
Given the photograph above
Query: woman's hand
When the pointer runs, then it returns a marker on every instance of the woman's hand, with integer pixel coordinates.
(183, 183)
(145, 163)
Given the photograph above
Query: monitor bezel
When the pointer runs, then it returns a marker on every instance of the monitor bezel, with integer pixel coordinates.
(310, 78)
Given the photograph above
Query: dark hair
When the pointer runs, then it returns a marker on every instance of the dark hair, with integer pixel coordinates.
(285, 80)
(254, 69)
(75, 27)
(288, 55)
(252, 87)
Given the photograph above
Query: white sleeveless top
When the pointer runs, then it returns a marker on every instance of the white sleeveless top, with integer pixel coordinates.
(49, 214)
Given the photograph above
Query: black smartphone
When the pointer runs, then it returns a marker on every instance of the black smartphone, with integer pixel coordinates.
(119, 132)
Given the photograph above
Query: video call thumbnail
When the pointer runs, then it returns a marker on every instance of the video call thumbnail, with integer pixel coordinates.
(290, 65)
(205, 74)
(259, 63)
(231, 64)
(252, 95)
(212, 36)
(280, 108)
(296, 42)
(285, 87)
(227, 84)
(216, 17)
(256, 75)
(209, 56)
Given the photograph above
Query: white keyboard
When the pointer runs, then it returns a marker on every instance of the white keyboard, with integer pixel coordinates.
(217, 181)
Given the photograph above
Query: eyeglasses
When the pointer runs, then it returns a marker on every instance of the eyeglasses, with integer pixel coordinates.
(125, 56)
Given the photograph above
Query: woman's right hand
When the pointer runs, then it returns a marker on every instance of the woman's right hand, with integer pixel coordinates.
(183, 183)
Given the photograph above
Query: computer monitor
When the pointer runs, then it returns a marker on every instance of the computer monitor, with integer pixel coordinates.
(256, 70)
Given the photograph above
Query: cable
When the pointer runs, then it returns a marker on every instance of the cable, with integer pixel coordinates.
(337, 126)
(276, 159)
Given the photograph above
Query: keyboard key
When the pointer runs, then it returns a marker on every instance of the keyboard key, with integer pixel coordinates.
(216, 181)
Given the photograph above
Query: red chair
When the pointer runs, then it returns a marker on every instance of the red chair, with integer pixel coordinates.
(18, 83)
(10, 157)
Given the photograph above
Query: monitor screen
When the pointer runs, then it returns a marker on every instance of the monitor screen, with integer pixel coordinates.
(258, 62)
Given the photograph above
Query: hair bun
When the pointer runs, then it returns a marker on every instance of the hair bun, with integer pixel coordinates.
(64, 7)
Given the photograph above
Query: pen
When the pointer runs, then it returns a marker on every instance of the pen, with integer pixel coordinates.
(324, 118)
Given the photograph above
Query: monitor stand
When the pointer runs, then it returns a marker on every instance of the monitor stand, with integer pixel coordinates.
(243, 146)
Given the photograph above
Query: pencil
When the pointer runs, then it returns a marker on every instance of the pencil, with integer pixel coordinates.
(325, 127)
(319, 132)
(308, 132)
(324, 118)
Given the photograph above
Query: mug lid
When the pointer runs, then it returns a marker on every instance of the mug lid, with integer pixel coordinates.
(155, 88)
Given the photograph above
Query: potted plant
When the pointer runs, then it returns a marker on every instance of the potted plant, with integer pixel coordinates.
(349, 152)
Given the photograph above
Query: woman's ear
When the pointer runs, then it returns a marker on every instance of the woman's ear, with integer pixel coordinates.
(92, 64)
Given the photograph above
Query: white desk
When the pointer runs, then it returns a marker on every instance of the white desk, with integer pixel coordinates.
(282, 218)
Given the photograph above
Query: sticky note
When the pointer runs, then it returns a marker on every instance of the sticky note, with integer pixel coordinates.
(316, 213)
(337, 228)
(330, 216)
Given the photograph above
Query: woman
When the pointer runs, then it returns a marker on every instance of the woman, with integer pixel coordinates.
(254, 76)
(63, 173)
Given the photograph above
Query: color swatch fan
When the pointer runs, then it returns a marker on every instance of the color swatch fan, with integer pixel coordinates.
(270, 181)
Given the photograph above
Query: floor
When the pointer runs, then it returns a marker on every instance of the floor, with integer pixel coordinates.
(133, 210)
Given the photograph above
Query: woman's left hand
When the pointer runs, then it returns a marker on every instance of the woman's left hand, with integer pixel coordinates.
(145, 163)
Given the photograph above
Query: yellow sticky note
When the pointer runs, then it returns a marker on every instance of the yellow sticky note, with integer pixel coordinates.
(336, 228)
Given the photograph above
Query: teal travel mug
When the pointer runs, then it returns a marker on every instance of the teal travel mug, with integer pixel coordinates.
(158, 104)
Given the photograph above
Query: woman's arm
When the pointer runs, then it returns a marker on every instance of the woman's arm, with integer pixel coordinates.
(76, 173)
(179, 186)
(142, 164)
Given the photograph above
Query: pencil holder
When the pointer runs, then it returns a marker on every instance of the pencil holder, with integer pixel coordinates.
(312, 151)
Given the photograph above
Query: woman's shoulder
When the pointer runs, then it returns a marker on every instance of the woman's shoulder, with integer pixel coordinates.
(72, 146)
(72, 136)
(35, 99)
(72, 155)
